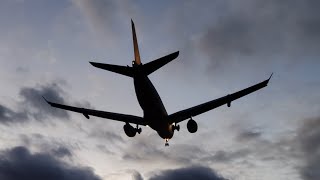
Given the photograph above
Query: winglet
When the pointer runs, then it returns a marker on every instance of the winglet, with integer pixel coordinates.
(46, 100)
(269, 77)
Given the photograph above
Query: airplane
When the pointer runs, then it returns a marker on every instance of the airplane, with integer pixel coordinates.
(154, 112)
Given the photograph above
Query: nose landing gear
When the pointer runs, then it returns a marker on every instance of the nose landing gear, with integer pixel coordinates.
(166, 144)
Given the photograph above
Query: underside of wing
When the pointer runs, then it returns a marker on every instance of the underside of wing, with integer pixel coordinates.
(202, 108)
(103, 114)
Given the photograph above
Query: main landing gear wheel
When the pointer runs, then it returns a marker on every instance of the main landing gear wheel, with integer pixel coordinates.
(166, 144)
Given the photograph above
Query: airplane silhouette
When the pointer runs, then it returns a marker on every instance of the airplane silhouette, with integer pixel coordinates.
(154, 112)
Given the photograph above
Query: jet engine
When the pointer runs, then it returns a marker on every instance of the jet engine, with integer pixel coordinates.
(129, 130)
(192, 126)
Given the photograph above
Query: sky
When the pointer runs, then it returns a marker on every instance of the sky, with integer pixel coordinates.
(225, 46)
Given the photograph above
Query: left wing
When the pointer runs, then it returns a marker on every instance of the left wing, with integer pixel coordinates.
(103, 114)
(196, 110)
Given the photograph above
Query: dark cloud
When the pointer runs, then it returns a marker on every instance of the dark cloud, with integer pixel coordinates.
(62, 152)
(266, 29)
(19, 163)
(34, 106)
(309, 140)
(136, 175)
(32, 98)
(188, 173)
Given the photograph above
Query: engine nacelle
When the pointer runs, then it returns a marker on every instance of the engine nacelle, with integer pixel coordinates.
(129, 130)
(192, 126)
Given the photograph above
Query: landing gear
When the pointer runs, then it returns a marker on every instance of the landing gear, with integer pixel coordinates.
(138, 129)
(176, 127)
(166, 144)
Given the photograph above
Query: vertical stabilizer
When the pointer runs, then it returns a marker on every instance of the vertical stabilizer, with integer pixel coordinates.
(135, 45)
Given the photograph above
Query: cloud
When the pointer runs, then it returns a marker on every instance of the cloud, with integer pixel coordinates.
(62, 152)
(301, 148)
(109, 136)
(19, 163)
(136, 175)
(145, 151)
(32, 98)
(266, 29)
(33, 105)
(57, 147)
(8, 116)
(188, 173)
(309, 140)
(227, 156)
(248, 135)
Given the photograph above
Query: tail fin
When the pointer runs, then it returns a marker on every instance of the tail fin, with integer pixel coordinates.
(137, 59)
(151, 66)
(147, 68)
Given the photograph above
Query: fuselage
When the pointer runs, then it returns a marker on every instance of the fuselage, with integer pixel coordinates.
(154, 111)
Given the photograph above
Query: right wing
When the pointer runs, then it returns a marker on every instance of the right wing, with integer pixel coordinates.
(103, 114)
(202, 108)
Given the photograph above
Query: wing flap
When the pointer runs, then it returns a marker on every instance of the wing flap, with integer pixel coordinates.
(196, 110)
(102, 114)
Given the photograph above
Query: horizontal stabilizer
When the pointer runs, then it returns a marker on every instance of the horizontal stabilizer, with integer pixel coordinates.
(124, 70)
(158, 63)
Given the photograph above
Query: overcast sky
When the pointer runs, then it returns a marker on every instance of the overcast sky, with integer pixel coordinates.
(225, 46)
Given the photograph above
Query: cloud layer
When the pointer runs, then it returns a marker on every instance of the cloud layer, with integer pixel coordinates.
(188, 173)
(19, 163)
